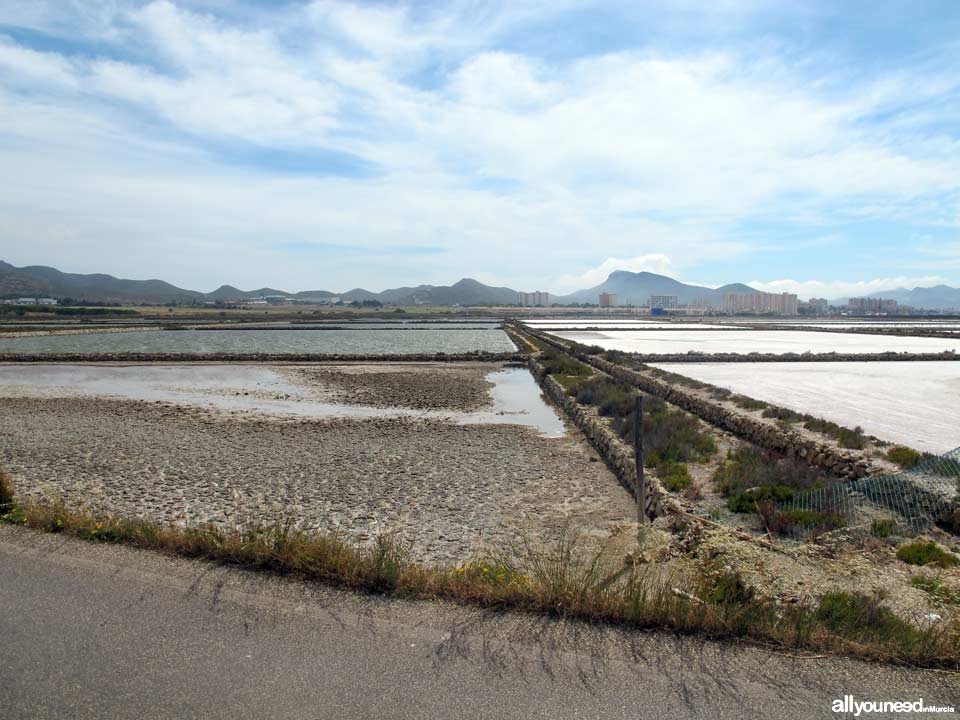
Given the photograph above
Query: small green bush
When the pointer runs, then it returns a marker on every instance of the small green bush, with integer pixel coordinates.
(853, 439)
(927, 553)
(782, 414)
(748, 403)
(903, 456)
(674, 475)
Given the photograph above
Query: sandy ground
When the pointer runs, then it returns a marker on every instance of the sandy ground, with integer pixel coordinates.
(443, 487)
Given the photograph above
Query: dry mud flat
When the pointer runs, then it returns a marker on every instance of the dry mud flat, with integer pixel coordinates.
(423, 387)
(445, 488)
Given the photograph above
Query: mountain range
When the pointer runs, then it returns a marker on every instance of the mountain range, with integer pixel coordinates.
(630, 288)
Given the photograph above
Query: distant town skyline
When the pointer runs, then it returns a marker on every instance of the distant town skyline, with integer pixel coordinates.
(808, 148)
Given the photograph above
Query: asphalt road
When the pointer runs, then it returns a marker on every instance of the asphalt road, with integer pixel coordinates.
(92, 631)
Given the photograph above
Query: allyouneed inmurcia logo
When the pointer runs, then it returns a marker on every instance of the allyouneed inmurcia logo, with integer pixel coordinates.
(848, 706)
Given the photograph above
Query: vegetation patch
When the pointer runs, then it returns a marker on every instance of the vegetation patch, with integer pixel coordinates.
(747, 403)
(920, 552)
(904, 457)
(674, 476)
(749, 476)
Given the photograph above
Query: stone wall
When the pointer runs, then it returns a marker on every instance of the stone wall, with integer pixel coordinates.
(618, 456)
(843, 464)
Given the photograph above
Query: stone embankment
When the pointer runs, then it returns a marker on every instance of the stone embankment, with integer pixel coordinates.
(772, 436)
(45, 332)
(618, 456)
(258, 357)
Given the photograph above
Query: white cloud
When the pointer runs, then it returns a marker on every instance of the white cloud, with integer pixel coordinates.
(807, 289)
(655, 262)
(521, 167)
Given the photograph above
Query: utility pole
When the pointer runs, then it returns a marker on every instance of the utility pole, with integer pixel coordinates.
(640, 488)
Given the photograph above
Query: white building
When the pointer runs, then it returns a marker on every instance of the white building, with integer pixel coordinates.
(534, 299)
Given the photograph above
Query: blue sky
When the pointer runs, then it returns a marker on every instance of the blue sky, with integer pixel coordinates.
(811, 147)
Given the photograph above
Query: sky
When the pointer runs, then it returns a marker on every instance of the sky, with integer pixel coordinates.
(809, 147)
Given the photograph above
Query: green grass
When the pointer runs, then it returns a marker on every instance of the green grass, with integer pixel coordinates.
(562, 578)
(927, 553)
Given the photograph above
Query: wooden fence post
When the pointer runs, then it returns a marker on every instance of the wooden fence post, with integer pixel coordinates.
(640, 491)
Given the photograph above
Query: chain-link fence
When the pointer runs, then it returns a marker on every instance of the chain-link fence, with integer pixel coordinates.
(909, 501)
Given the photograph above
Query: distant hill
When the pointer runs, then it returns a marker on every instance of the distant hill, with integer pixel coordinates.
(938, 297)
(637, 289)
(48, 281)
(630, 289)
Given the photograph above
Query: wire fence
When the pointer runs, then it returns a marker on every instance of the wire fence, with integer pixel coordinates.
(909, 501)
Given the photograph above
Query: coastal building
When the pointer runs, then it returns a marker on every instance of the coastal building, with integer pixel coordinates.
(872, 306)
(760, 303)
(664, 302)
(533, 299)
(608, 299)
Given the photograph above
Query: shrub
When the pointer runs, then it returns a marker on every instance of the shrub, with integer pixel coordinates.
(556, 363)
(674, 475)
(853, 439)
(748, 403)
(610, 398)
(927, 553)
(668, 434)
(782, 414)
(903, 456)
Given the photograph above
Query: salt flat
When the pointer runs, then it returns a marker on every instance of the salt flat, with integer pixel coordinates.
(910, 403)
(760, 341)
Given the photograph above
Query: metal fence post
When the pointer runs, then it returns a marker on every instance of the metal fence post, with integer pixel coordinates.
(640, 489)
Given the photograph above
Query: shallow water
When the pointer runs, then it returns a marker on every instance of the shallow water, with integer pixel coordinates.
(360, 342)
(914, 403)
(516, 397)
